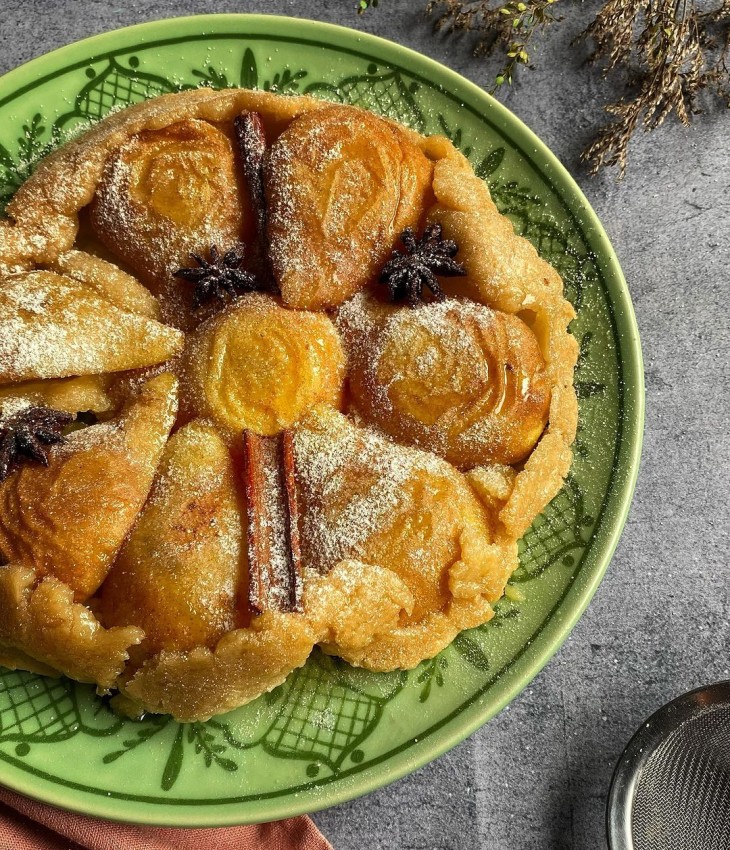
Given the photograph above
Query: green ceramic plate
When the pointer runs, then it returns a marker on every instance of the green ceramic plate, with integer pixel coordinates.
(330, 732)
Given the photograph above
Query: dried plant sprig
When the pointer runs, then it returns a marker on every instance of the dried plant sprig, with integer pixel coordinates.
(669, 50)
(715, 34)
(673, 52)
(510, 26)
(612, 31)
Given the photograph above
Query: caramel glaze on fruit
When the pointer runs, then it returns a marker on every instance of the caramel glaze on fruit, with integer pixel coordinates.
(127, 557)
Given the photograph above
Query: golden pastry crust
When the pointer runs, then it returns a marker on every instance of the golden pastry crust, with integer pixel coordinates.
(401, 551)
(363, 614)
(455, 378)
(74, 395)
(259, 366)
(70, 518)
(368, 500)
(180, 572)
(41, 619)
(354, 604)
(493, 484)
(341, 185)
(505, 272)
(537, 483)
(16, 659)
(55, 327)
(246, 663)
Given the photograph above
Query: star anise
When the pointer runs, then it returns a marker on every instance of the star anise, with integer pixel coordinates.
(219, 277)
(406, 274)
(27, 434)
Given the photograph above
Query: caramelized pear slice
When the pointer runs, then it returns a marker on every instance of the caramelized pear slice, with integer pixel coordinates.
(341, 186)
(169, 192)
(70, 518)
(259, 366)
(110, 282)
(54, 327)
(74, 395)
(179, 573)
(455, 378)
(367, 500)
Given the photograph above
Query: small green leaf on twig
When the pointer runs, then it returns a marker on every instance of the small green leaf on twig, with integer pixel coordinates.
(509, 27)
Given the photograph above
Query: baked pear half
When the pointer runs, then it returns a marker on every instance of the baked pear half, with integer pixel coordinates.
(259, 366)
(457, 378)
(341, 185)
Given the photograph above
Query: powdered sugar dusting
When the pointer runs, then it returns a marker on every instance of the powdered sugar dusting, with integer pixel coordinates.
(165, 196)
(340, 189)
(11, 407)
(429, 333)
(454, 377)
(51, 326)
(352, 479)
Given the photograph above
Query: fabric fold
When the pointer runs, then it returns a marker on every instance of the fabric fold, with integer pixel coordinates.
(26, 824)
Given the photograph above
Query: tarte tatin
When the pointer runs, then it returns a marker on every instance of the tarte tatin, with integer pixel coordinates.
(274, 374)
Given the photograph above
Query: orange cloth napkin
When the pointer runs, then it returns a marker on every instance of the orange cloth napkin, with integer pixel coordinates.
(28, 825)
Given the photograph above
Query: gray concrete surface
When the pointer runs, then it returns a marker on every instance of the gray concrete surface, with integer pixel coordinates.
(535, 778)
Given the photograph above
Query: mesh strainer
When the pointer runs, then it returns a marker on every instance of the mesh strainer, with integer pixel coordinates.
(671, 787)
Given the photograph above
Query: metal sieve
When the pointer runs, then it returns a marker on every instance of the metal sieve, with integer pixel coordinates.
(671, 786)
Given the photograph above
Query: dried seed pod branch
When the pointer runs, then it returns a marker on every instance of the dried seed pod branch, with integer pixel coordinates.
(510, 26)
(670, 50)
(612, 32)
(673, 51)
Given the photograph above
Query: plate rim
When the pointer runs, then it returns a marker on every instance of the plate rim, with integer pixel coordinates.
(555, 630)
